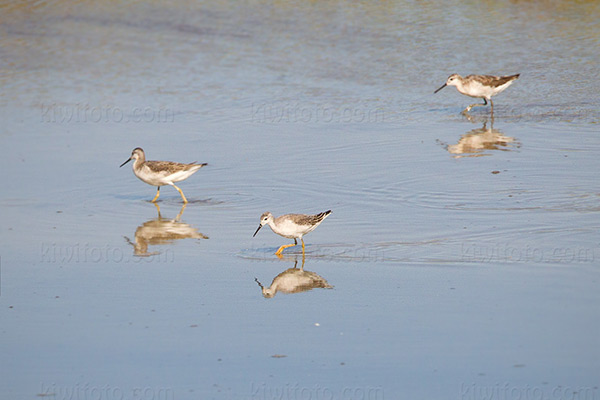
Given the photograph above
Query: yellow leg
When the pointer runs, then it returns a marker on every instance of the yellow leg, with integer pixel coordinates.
(181, 193)
(157, 194)
(285, 246)
(302, 240)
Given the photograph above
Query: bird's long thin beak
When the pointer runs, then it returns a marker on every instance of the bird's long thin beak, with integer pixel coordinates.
(259, 284)
(257, 229)
(443, 86)
(125, 162)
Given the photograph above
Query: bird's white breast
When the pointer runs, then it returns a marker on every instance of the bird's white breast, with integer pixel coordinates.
(287, 228)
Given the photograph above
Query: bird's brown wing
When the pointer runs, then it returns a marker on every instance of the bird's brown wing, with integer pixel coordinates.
(493, 81)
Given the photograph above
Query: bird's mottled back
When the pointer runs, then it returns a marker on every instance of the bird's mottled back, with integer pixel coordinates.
(302, 219)
(490, 80)
(170, 166)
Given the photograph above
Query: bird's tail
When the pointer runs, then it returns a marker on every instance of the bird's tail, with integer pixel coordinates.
(323, 215)
(196, 166)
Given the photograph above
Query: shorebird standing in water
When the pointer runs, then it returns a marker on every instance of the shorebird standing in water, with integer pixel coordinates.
(291, 226)
(160, 173)
(480, 86)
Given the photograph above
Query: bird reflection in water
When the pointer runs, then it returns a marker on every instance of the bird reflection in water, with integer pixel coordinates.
(161, 231)
(475, 142)
(294, 280)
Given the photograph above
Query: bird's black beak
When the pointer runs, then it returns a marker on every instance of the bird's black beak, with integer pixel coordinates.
(443, 86)
(257, 229)
(259, 284)
(125, 162)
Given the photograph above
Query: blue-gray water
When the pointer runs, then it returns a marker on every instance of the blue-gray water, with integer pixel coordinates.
(463, 251)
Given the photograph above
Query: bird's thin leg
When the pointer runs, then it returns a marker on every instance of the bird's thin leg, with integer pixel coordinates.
(477, 105)
(181, 193)
(492, 104)
(285, 246)
(157, 194)
(302, 240)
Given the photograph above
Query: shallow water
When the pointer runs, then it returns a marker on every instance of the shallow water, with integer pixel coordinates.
(462, 250)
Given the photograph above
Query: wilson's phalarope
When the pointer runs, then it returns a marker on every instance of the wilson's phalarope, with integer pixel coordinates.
(481, 86)
(291, 226)
(160, 173)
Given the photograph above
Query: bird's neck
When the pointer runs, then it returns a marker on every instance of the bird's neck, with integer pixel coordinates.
(139, 162)
(459, 85)
(272, 226)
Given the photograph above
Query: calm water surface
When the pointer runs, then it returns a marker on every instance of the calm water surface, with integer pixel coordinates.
(463, 251)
